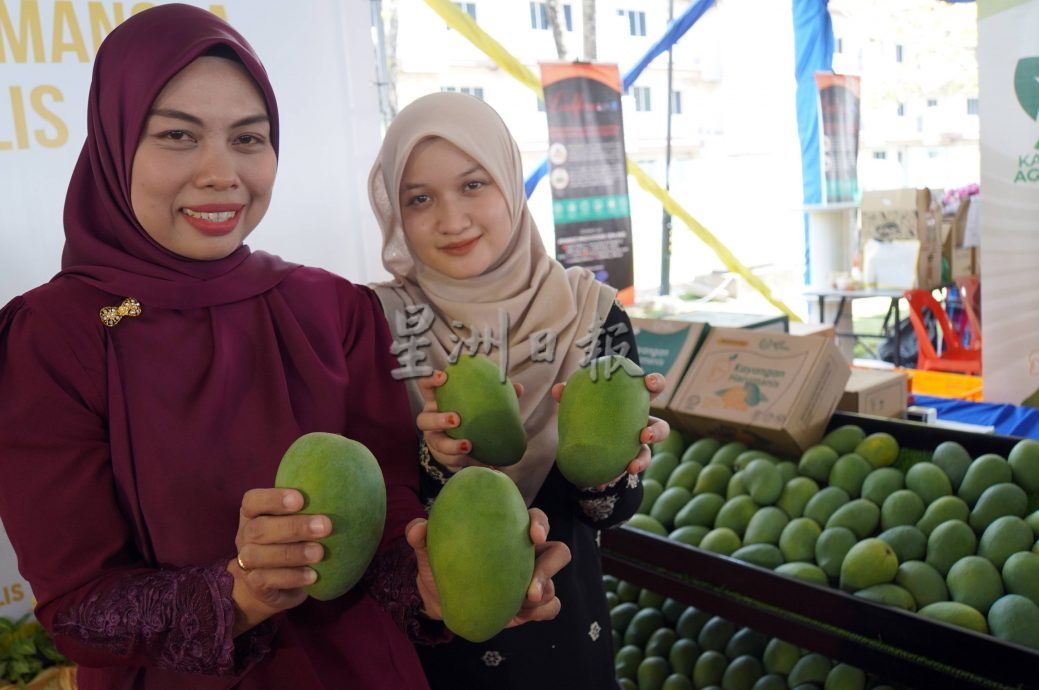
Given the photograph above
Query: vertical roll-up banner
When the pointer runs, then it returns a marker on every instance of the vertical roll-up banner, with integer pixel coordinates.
(1008, 111)
(839, 114)
(588, 173)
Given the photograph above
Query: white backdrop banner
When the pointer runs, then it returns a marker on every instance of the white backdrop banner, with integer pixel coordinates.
(15, 596)
(321, 61)
(1008, 72)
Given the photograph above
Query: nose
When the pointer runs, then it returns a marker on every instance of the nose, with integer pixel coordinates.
(452, 217)
(216, 168)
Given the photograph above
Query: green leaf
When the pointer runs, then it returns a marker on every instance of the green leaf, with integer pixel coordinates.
(1026, 85)
(52, 654)
(23, 647)
(20, 667)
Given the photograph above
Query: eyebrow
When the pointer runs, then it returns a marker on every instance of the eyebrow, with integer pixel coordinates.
(187, 117)
(465, 173)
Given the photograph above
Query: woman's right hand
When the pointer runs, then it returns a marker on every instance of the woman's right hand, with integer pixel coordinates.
(541, 602)
(450, 452)
(276, 546)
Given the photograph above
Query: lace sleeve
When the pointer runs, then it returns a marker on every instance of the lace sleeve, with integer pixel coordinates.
(614, 504)
(391, 580)
(182, 619)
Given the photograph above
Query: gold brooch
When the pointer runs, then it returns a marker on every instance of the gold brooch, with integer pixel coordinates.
(110, 316)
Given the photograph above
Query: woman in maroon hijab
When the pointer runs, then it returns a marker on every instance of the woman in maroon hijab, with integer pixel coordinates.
(151, 387)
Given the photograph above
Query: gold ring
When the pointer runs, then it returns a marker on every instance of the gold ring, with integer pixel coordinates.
(240, 564)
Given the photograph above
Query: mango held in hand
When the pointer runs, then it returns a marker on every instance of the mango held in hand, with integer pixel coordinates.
(478, 538)
(340, 478)
(601, 419)
(488, 409)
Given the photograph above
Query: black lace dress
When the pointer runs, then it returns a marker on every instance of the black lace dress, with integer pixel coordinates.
(575, 650)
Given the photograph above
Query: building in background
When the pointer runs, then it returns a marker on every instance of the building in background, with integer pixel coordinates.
(735, 156)
(918, 62)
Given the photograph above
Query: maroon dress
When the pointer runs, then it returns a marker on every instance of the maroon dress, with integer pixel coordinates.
(125, 449)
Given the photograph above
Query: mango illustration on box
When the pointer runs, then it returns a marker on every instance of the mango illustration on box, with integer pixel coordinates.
(722, 369)
(741, 396)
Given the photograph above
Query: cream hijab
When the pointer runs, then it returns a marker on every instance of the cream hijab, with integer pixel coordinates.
(536, 292)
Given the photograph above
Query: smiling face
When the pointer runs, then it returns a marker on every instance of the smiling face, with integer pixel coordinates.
(455, 216)
(204, 167)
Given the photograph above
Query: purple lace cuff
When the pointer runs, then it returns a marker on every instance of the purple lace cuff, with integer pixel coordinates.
(181, 620)
(391, 580)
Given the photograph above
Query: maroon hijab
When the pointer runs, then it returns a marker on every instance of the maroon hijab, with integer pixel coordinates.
(104, 244)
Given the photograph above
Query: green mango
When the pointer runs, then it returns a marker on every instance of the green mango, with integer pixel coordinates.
(601, 419)
(480, 552)
(488, 410)
(340, 478)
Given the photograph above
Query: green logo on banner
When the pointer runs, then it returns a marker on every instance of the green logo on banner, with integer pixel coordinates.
(1026, 85)
(658, 351)
(590, 208)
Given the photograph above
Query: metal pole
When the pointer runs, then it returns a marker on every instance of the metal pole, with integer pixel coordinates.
(665, 238)
(381, 68)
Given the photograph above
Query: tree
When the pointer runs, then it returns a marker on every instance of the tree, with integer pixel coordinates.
(588, 22)
(552, 11)
(386, 56)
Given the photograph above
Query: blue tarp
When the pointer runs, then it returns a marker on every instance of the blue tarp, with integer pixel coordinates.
(813, 52)
(1009, 420)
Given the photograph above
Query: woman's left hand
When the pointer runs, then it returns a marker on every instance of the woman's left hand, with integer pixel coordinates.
(656, 430)
(549, 558)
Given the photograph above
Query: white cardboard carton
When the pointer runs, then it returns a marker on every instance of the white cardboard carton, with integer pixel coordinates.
(667, 346)
(875, 392)
(772, 391)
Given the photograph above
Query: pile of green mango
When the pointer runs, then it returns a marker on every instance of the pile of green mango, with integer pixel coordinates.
(938, 532)
(662, 644)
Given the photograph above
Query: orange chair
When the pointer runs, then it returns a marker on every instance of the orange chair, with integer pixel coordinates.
(970, 295)
(956, 357)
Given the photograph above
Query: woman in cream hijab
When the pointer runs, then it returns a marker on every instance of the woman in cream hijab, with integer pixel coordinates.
(467, 260)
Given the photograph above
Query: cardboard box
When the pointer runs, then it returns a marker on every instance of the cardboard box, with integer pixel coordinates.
(962, 260)
(667, 346)
(906, 214)
(825, 330)
(773, 391)
(875, 392)
(779, 323)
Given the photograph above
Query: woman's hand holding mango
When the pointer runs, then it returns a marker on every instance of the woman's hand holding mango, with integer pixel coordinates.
(549, 558)
(450, 452)
(276, 545)
(656, 430)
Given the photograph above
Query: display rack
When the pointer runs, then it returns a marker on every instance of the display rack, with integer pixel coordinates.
(898, 645)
